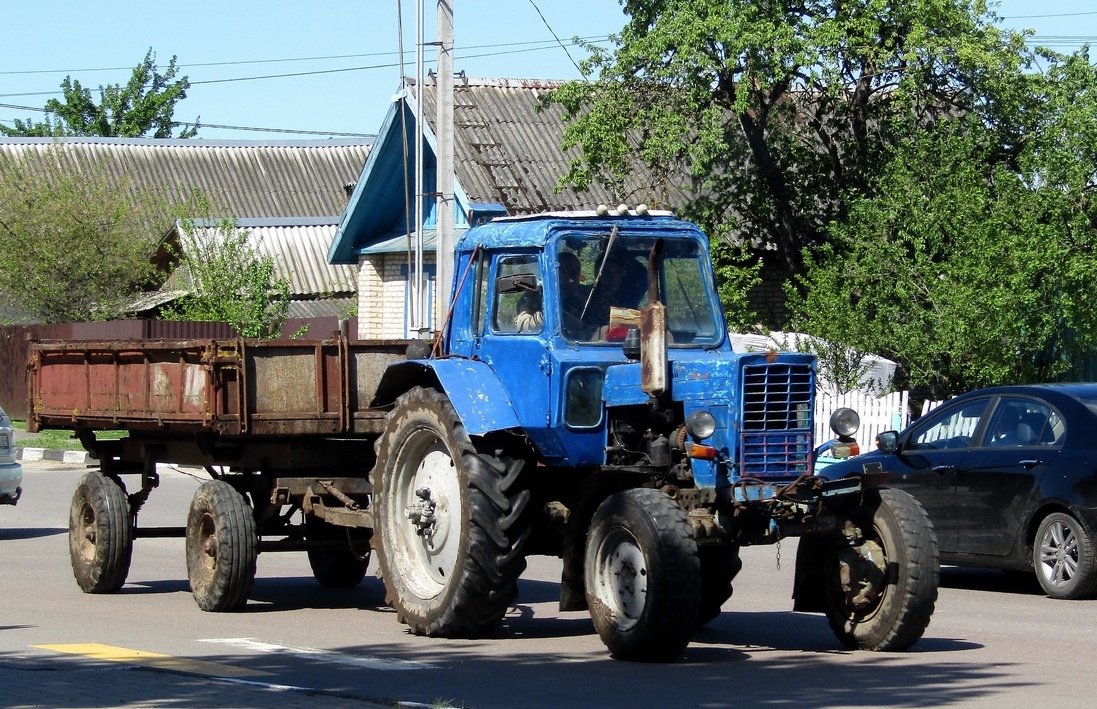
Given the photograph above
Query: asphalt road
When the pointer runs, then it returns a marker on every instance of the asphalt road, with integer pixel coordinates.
(994, 641)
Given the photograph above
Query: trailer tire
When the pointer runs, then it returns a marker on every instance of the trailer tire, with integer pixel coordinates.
(222, 547)
(100, 534)
(449, 530)
(720, 564)
(903, 591)
(642, 576)
(337, 568)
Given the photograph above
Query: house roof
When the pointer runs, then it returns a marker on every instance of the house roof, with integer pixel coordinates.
(297, 247)
(245, 179)
(506, 147)
(506, 152)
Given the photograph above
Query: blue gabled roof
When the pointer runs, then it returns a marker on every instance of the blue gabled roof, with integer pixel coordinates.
(507, 157)
(377, 204)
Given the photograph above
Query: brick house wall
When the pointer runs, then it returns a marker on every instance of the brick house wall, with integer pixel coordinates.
(383, 294)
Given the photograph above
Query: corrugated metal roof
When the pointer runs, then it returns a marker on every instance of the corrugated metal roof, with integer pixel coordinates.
(299, 253)
(324, 308)
(507, 150)
(245, 179)
(300, 256)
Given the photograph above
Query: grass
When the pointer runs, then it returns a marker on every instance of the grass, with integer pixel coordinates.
(58, 439)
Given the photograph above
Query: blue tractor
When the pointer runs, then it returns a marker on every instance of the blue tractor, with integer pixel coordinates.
(583, 400)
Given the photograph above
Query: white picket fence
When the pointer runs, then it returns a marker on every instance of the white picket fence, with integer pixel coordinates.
(878, 413)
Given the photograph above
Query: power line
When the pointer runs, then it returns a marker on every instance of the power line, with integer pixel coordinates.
(317, 72)
(330, 134)
(596, 39)
(553, 33)
(1040, 17)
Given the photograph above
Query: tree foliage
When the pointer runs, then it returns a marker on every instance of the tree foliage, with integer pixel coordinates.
(75, 244)
(925, 180)
(779, 112)
(143, 107)
(973, 263)
(228, 279)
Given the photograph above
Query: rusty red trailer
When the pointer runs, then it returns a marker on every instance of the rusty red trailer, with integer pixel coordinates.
(226, 387)
(285, 429)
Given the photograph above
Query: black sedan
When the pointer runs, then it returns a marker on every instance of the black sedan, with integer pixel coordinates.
(1008, 476)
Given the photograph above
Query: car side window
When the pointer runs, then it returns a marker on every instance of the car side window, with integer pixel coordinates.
(1024, 422)
(951, 428)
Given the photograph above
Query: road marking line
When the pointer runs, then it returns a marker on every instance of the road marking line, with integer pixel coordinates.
(338, 658)
(154, 660)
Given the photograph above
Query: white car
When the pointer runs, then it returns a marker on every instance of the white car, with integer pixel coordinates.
(11, 473)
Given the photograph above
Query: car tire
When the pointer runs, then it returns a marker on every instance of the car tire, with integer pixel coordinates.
(1063, 557)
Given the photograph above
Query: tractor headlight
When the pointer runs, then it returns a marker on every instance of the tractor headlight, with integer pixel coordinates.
(701, 425)
(845, 422)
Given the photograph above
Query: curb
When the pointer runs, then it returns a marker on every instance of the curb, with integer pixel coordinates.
(35, 454)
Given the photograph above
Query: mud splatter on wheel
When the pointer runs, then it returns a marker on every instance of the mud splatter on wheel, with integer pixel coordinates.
(100, 534)
(642, 575)
(222, 547)
(448, 521)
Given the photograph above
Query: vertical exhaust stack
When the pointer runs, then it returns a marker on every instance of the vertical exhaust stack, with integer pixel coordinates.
(653, 331)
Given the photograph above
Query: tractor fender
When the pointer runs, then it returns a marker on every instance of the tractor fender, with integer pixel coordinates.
(477, 395)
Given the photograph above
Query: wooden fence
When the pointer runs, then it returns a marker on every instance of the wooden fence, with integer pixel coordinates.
(878, 413)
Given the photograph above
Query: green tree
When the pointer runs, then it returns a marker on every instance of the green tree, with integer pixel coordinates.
(75, 244)
(779, 112)
(974, 263)
(228, 279)
(143, 107)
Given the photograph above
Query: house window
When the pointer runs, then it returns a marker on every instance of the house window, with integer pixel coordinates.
(428, 319)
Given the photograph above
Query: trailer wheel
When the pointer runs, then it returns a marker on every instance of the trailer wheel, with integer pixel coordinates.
(337, 568)
(222, 547)
(448, 520)
(720, 564)
(642, 576)
(884, 587)
(100, 534)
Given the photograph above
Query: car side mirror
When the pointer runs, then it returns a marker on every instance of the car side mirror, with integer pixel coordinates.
(887, 441)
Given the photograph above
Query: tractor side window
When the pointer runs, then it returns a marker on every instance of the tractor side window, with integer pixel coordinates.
(480, 296)
(517, 306)
(583, 397)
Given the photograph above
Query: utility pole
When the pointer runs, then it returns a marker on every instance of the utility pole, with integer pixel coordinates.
(444, 132)
(418, 315)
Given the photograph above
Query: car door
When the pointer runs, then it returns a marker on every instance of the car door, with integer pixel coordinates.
(995, 485)
(931, 454)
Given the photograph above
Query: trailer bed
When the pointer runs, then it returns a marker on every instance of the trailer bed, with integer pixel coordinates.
(234, 388)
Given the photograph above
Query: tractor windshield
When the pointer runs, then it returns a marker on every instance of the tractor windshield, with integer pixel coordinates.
(604, 286)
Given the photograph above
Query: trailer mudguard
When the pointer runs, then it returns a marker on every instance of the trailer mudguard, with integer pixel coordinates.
(479, 398)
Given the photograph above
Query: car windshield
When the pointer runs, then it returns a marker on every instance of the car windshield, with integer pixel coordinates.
(604, 286)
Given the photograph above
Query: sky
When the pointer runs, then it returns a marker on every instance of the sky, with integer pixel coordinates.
(291, 70)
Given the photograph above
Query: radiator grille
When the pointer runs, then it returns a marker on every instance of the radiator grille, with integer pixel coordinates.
(776, 426)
